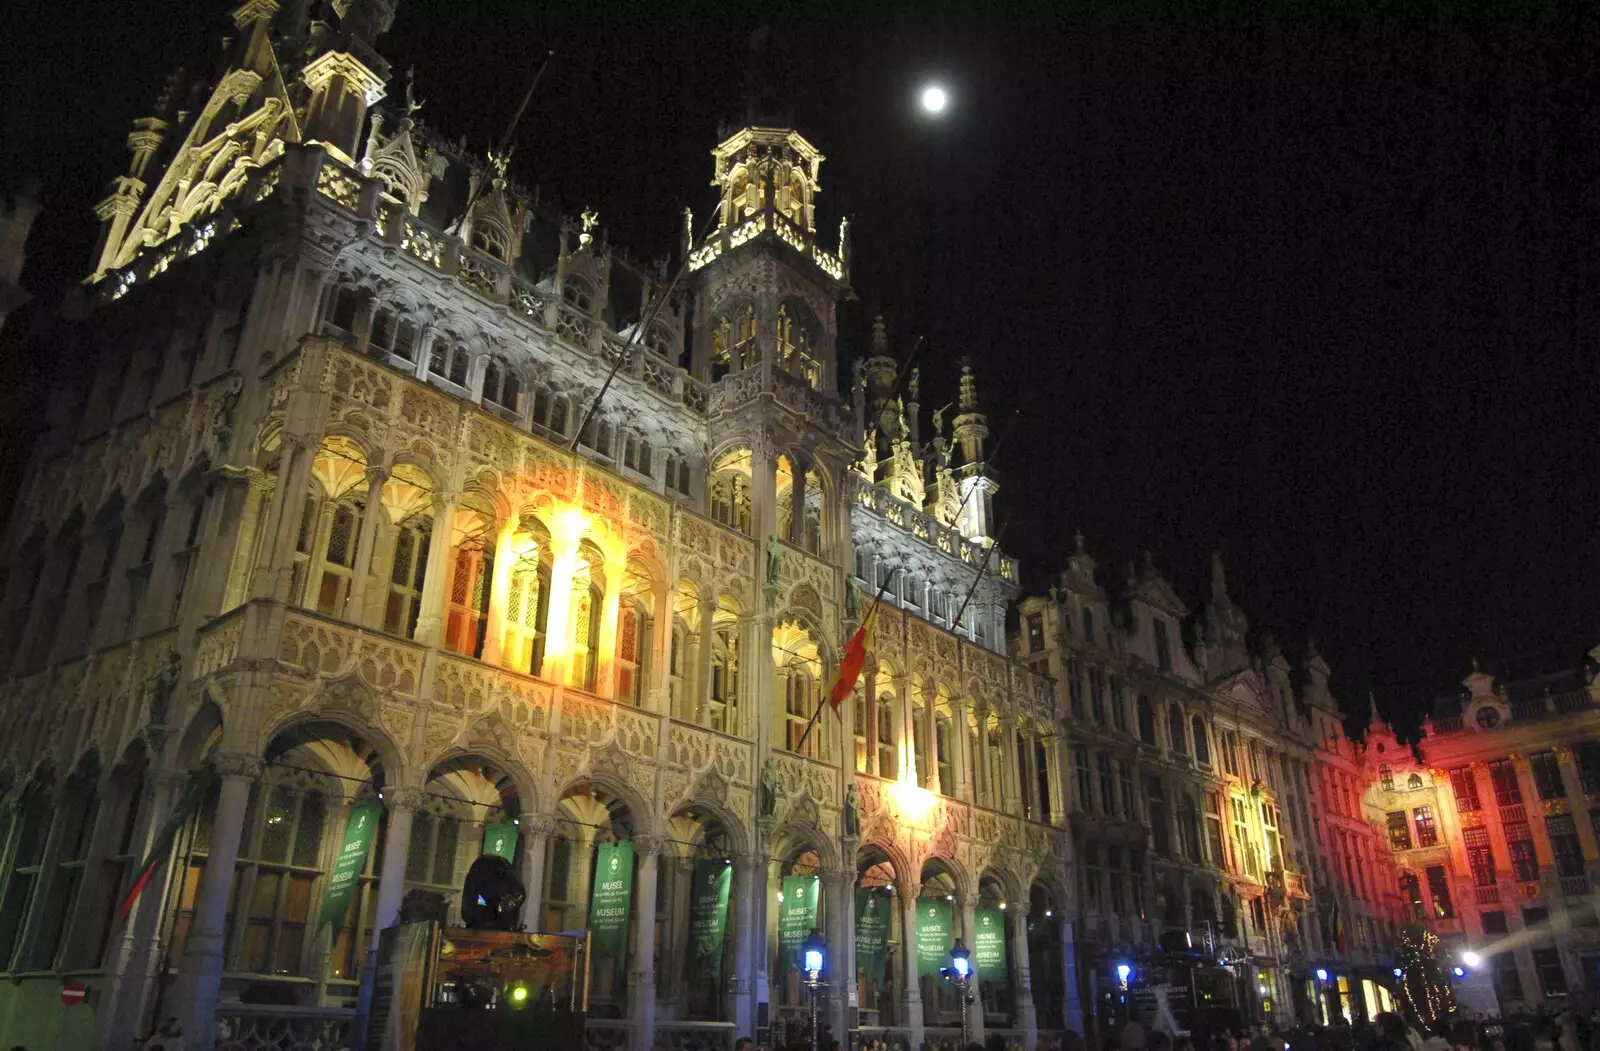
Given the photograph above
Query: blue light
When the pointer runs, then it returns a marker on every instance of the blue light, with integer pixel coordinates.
(961, 965)
(1124, 972)
(1459, 971)
(813, 959)
(1398, 973)
(1322, 974)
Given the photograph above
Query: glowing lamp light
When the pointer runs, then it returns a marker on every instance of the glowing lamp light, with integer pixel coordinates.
(961, 959)
(1398, 973)
(1471, 959)
(1459, 971)
(1322, 974)
(517, 994)
(934, 99)
(1002, 906)
(1124, 972)
(811, 952)
(911, 804)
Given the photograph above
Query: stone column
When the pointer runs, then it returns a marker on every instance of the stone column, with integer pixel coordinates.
(1030, 770)
(430, 618)
(680, 896)
(401, 804)
(536, 832)
(911, 991)
(275, 570)
(700, 700)
(605, 657)
(1010, 791)
(969, 934)
(200, 980)
(642, 975)
(961, 760)
(985, 791)
(499, 590)
(869, 697)
(930, 720)
(905, 732)
(839, 962)
(583, 850)
(371, 515)
(1027, 1019)
(747, 891)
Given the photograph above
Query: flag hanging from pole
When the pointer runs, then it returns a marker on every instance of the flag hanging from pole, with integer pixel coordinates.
(855, 655)
(199, 785)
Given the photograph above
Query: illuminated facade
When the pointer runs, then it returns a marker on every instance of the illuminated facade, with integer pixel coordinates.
(1204, 805)
(1494, 832)
(313, 523)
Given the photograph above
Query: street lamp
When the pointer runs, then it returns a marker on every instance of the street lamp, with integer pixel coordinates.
(961, 965)
(811, 952)
(1471, 959)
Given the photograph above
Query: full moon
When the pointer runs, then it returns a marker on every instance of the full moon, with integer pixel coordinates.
(934, 99)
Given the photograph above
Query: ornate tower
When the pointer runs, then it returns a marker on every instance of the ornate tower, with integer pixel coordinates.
(971, 430)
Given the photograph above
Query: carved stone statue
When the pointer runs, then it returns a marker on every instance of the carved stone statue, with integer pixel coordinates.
(161, 685)
(769, 788)
(852, 811)
(852, 601)
(774, 559)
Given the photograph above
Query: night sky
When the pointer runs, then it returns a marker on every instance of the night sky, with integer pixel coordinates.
(1314, 288)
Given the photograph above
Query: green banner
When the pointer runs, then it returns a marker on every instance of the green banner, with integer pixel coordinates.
(989, 946)
(708, 916)
(500, 838)
(352, 859)
(874, 906)
(796, 916)
(933, 936)
(612, 899)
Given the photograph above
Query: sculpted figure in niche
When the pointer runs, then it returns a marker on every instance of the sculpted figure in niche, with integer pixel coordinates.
(852, 811)
(769, 788)
(774, 559)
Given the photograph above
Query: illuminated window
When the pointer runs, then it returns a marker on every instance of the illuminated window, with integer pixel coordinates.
(1411, 895)
(1439, 890)
(1504, 778)
(406, 575)
(1399, 830)
(887, 715)
(1427, 832)
(1465, 786)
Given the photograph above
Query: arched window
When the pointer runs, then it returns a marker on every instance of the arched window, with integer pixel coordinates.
(721, 348)
(725, 680)
(489, 239)
(941, 741)
(588, 595)
(406, 575)
(448, 360)
(1202, 740)
(974, 757)
(919, 743)
(633, 645)
(1147, 720)
(675, 692)
(730, 500)
(280, 854)
(468, 616)
(677, 475)
(549, 410)
(74, 816)
(342, 307)
(888, 711)
(500, 384)
(342, 531)
(859, 730)
(528, 598)
(636, 453)
(744, 352)
(394, 334)
(1386, 777)
(798, 707)
(1175, 729)
(575, 290)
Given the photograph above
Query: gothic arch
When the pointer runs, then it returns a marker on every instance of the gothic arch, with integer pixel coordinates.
(522, 780)
(391, 758)
(639, 812)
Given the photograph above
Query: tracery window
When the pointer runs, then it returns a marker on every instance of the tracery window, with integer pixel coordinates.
(501, 386)
(576, 291)
(528, 599)
(448, 360)
(489, 239)
(468, 604)
(730, 500)
(859, 731)
(633, 636)
(919, 741)
(278, 867)
(941, 739)
(887, 712)
(392, 333)
(636, 453)
(798, 706)
(588, 596)
(725, 680)
(549, 410)
(342, 307)
(406, 575)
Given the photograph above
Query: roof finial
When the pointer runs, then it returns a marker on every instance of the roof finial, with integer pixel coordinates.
(880, 338)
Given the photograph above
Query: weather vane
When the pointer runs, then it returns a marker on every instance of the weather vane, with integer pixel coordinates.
(590, 219)
(499, 161)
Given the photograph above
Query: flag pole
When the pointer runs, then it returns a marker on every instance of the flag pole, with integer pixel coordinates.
(645, 321)
(872, 611)
(983, 566)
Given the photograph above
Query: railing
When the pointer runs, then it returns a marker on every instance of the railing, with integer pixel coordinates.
(1513, 812)
(1572, 701)
(694, 1036)
(248, 1027)
(1486, 895)
(607, 1035)
(1575, 886)
(1448, 724)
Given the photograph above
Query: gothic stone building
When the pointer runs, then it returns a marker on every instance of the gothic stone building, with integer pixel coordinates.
(1211, 807)
(327, 515)
(1494, 823)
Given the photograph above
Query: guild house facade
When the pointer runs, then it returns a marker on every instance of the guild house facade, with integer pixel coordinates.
(1214, 811)
(1494, 824)
(325, 579)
